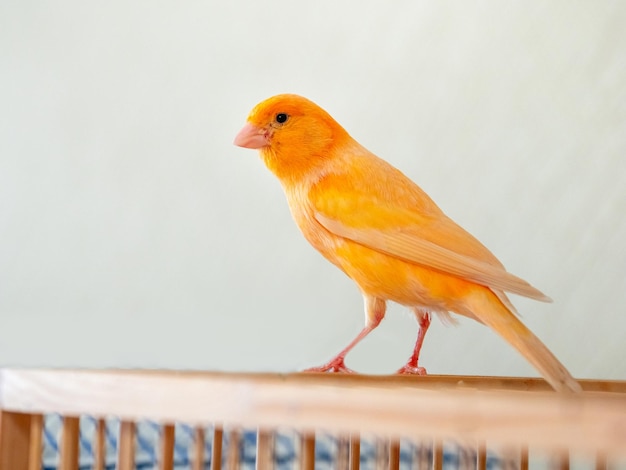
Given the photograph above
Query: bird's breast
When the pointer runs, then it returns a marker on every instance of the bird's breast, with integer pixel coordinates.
(302, 212)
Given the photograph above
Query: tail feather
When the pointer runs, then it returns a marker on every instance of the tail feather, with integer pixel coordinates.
(491, 311)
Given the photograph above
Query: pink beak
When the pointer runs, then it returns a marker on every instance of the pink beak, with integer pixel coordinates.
(252, 137)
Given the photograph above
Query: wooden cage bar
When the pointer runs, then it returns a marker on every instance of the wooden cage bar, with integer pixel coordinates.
(99, 445)
(518, 413)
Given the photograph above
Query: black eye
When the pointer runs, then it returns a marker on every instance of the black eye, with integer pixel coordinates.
(281, 117)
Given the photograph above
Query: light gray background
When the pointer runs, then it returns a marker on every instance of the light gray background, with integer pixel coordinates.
(134, 234)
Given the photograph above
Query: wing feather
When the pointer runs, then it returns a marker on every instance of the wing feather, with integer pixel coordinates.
(377, 206)
(410, 246)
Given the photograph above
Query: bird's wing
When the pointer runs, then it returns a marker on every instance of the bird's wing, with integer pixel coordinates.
(378, 221)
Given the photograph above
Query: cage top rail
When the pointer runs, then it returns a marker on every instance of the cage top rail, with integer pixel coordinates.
(494, 409)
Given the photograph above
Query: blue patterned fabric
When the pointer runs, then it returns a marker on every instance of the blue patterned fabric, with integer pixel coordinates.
(285, 449)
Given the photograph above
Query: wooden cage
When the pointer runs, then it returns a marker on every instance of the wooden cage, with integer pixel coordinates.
(519, 414)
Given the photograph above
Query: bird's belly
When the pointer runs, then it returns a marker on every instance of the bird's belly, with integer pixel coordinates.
(390, 278)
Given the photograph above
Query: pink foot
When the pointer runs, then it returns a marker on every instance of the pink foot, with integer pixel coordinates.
(409, 369)
(336, 365)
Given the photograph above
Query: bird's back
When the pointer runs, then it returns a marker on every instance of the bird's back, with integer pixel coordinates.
(369, 192)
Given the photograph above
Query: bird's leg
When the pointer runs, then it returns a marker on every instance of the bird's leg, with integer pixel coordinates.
(336, 364)
(374, 313)
(411, 366)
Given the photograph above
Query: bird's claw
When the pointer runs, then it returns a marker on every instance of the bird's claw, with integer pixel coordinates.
(336, 366)
(409, 369)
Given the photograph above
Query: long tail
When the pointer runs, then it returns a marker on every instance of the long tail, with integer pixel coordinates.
(490, 310)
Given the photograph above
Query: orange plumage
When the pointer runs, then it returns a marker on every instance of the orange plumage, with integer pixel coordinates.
(385, 233)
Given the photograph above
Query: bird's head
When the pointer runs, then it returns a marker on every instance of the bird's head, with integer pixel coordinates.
(293, 134)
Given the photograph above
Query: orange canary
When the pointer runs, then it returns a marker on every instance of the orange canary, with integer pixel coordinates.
(377, 226)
